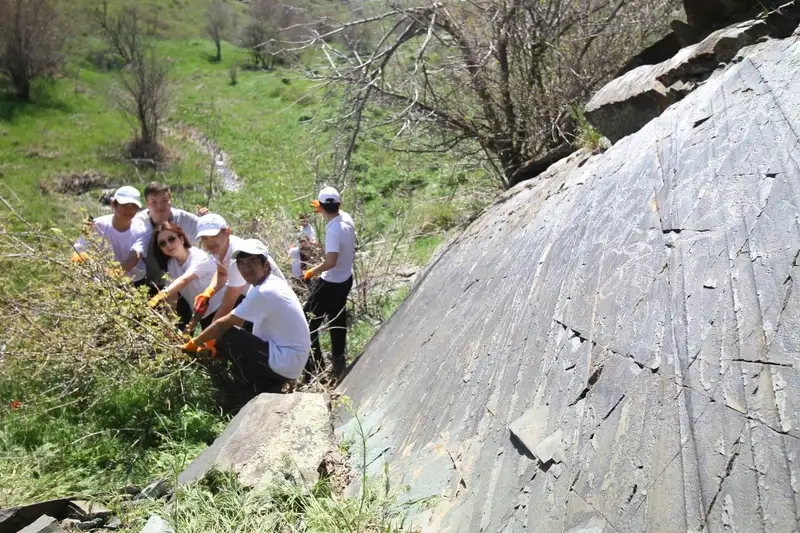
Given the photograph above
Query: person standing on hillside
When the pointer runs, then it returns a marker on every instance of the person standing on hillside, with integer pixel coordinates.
(277, 349)
(328, 296)
(216, 238)
(308, 229)
(124, 232)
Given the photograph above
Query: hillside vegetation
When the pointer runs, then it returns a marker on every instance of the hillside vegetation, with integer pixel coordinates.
(94, 393)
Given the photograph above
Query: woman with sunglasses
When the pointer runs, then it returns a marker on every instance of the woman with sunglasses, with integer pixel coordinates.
(189, 268)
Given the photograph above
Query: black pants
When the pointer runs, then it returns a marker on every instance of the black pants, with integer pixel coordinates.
(328, 300)
(249, 357)
(183, 309)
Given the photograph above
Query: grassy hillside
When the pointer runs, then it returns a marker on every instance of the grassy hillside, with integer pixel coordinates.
(60, 151)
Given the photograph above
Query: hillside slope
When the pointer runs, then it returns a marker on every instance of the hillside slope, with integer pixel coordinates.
(614, 347)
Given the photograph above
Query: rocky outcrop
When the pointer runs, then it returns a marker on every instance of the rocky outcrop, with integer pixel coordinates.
(274, 436)
(629, 102)
(614, 347)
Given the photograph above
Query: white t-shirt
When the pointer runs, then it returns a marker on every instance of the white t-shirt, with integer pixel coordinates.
(340, 237)
(136, 238)
(310, 232)
(278, 319)
(201, 264)
(235, 278)
(297, 268)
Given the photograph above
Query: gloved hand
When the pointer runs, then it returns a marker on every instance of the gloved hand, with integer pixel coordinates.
(157, 299)
(316, 205)
(79, 257)
(211, 348)
(190, 347)
(114, 272)
(201, 300)
(308, 274)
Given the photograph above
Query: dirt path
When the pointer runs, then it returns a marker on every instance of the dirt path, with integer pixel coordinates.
(231, 182)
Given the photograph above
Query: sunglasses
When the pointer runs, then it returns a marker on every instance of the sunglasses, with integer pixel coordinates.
(169, 240)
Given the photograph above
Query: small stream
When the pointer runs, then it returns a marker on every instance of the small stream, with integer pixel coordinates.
(231, 182)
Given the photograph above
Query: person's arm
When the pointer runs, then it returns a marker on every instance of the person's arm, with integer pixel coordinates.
(131, 261)
(176, 286)
(217, 328)
(142, 235)
(331, 258)
(229, 299)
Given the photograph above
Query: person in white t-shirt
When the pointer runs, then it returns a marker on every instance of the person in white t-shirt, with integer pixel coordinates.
(329, 294)
(307, 229)
(127, 235)
(189, 268)
(277, 349)
(216, 238)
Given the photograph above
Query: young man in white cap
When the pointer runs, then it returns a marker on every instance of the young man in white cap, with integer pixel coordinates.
(277, 349)
(216, 238)
(328, 296)
(127, 235)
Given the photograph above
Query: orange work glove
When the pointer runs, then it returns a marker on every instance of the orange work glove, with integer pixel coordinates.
(157, 299)
(211, 348)
(115, 272)
(190, 347)
(308, 274)
(79, 257)
(201, 300)
(316, 205)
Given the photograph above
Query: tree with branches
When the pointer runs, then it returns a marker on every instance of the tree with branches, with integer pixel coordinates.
(144, 80)
(31, 39)
(219, 19)
(504, 78)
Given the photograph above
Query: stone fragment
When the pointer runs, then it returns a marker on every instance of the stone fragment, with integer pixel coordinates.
(156, 524)
(43, 524)
(157, 489)
(274, 436)
(86, 510)
(15, 518)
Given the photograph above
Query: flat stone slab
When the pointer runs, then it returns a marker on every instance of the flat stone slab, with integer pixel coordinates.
(274, 436)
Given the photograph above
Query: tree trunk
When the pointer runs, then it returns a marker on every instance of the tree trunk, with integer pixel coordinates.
(23, 89)
(219, 50)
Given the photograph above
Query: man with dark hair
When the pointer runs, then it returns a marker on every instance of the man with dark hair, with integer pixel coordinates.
(277, 349)
(328, 296)
(159, 211)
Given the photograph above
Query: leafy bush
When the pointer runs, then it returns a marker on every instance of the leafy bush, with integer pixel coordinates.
(93, 387)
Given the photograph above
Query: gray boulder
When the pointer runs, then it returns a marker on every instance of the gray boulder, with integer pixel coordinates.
(274, 436)
(615, 346)
(43, 524)
(626, 104)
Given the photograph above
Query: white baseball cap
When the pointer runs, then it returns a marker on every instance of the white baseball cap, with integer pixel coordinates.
(127, 195)
(328, 195)
(210, 225)
(252, 247)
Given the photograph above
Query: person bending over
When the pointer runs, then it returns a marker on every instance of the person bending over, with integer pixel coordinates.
(277, 349)
(190, 269)
(127, 235)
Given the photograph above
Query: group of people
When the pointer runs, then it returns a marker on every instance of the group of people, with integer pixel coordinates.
(232, 287)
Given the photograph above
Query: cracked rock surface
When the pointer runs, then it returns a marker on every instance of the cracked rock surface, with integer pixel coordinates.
(615, 346)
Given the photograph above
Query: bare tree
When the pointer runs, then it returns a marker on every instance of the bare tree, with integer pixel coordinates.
(144, 79)
(31, 39)
(497, 77)
(219, 19)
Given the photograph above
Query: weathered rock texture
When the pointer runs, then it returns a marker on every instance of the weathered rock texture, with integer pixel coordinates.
(616, 346)
(274, 436)
(626, 104)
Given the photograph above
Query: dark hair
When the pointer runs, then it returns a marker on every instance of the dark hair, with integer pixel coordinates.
(155, 187)
(330, 207)
(161, 257)
(245, 255)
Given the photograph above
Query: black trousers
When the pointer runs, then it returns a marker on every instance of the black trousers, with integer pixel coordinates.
(249, 357)
(328, 300)
(183, 309)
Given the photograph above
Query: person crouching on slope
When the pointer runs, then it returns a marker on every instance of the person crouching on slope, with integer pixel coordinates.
(215, 235)
(277, 349)
(127, 235)
(190, 269)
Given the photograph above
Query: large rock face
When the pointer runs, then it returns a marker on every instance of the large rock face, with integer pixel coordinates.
(614, 347)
